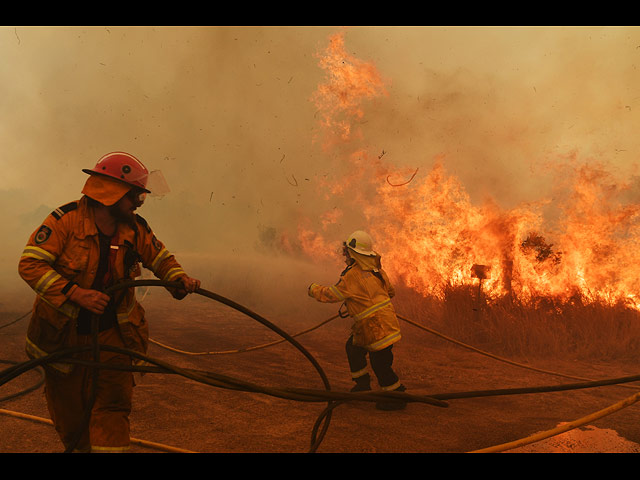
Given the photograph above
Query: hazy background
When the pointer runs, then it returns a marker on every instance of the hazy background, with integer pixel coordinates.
(225, 113)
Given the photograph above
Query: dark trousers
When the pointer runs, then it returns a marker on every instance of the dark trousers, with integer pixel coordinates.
(381, 362)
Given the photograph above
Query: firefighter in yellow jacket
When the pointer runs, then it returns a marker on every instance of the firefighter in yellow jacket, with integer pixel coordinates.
(366, 291)
(81, 249)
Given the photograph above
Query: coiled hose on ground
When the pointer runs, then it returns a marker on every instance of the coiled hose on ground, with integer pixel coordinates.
(333, 398)
(210, 378)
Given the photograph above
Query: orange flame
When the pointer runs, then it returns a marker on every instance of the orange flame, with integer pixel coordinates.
(349, 82)
(432, 236)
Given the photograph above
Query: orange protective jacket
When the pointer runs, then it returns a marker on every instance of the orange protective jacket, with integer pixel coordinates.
(367, 296)
(63, 254)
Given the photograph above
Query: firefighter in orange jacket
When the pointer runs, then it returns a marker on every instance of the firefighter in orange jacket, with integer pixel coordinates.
(366, 291)
(82, 248)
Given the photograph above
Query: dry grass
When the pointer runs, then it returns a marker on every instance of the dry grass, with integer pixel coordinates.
(572, 329)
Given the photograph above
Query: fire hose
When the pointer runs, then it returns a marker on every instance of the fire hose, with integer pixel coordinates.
(137, 441)
(562, 428)
(210, 378)
(246, 349)
(333, 398)
(33, 387)
(411, 322)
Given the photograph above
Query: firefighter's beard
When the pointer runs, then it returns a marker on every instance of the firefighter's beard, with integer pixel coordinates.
(122, 215)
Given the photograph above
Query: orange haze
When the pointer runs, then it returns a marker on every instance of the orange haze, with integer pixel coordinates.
(451, 145)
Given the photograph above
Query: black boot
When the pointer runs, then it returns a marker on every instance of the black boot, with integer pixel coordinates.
(363, 384)
(389, 405)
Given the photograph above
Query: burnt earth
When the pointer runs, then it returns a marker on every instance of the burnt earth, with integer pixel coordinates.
(178, 412)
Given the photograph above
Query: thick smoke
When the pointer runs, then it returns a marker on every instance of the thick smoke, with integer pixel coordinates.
(226, 114)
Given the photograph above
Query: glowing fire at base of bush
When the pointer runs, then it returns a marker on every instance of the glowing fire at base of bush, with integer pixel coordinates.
(431, 236)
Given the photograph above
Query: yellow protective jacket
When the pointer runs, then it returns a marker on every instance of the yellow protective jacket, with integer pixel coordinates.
(63, 253)
(367, 295)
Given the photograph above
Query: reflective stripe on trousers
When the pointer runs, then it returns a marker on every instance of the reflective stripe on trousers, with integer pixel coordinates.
(381, 364)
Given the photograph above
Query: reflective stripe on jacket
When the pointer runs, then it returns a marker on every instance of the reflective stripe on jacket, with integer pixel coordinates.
(367, 296)
(63, 253)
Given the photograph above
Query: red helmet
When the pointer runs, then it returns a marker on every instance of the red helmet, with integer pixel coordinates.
(122, 166)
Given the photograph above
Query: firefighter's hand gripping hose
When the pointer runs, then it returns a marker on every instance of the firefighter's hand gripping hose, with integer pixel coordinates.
(333, 398)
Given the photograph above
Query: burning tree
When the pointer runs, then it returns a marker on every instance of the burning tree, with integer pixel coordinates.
(536, 244)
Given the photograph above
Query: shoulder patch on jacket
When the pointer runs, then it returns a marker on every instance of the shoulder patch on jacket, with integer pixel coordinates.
(143, 222)
(60, 211)
(42, 235)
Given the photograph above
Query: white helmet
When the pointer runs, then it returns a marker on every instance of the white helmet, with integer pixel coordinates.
(360, 242)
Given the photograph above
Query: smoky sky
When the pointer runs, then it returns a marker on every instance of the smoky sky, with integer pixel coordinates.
(226, 114)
